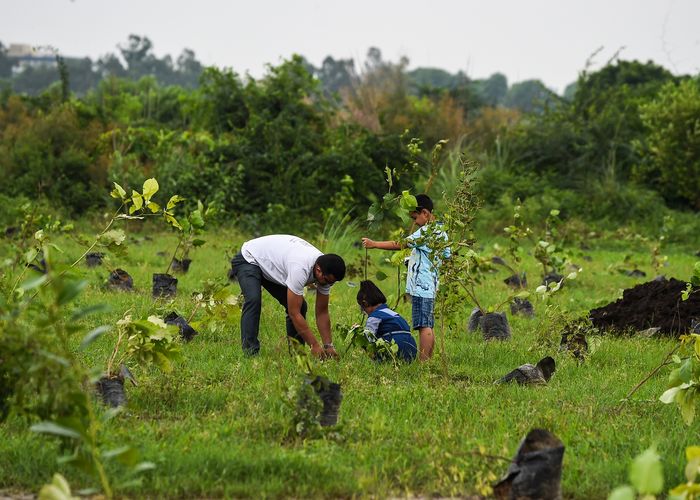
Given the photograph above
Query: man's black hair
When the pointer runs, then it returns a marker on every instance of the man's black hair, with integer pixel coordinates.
(332, 264)
(370, 294)
(424, 201)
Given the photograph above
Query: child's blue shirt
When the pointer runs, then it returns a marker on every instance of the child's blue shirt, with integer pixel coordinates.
(422, 279)
(383, 321)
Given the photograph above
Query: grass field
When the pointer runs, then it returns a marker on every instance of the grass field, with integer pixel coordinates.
(217, 425)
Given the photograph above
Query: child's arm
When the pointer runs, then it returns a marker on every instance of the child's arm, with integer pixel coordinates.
(383, 245)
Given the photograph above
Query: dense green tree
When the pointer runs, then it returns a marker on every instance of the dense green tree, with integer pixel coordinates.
(670, 151)
(528, 96)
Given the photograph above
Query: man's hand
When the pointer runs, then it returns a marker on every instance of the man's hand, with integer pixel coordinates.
(318, 351)
(367, 243)
(331, 353)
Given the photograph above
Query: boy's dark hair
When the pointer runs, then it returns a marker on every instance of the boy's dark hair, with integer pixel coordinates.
(331, 263)
(370, 294)
(423, 201)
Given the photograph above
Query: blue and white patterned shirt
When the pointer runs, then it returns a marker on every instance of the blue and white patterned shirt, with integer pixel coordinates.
(384, 321)
(422, 279)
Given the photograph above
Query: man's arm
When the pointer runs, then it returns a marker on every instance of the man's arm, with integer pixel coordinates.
(323, 318)
(294, 302)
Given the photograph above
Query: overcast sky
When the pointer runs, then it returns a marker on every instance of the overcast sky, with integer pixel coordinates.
(546, 39)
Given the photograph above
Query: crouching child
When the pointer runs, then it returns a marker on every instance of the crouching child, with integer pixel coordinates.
(384, 323)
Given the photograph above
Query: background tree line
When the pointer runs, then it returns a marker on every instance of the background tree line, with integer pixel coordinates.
(622, 145)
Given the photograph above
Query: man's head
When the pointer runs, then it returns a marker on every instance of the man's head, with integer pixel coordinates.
(424, 210)
(329, 268)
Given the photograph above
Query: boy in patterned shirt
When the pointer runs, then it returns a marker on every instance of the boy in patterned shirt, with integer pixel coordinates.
(422, 279)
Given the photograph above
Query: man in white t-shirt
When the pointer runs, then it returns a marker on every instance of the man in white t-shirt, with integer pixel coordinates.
(283, 265)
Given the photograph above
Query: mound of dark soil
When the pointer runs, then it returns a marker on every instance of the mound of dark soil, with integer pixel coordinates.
(651, 304)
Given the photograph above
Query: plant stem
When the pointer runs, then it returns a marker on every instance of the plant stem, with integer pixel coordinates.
(173, 257)
(651, 374)
(95, 454)
(194, 311)
(443, 354)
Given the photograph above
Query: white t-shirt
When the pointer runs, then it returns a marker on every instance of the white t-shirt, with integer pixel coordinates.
(286, 260)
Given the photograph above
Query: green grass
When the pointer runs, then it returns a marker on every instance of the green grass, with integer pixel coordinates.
(217, 425)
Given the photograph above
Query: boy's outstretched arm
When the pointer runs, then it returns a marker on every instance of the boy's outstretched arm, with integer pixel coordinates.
(383, 245)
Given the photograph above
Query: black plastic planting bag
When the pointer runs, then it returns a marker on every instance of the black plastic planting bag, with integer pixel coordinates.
(494, 326)
(186, 331)
(112, 391)
(164, 285)
(120, 280)
(535, 472)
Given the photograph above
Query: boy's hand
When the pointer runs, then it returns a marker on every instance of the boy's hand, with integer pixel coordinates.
(367, 243)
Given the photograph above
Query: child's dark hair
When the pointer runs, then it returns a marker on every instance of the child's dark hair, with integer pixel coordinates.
(423, 201)
(370, 294)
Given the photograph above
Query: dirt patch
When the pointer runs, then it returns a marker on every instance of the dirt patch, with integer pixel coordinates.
(652, 304)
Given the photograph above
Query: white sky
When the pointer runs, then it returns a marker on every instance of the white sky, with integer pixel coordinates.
(546, 39)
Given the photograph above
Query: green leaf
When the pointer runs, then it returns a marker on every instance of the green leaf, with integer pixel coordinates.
(408, 201)
(522, 295)
(31, 255)
(674, 378)
(94, 335)
(68, 290)
(137, 201)
(33, 283)
(198, 242)
(174, 200)
(381, 276)
(144, 466)
(646, 474)
(54, 429)
(153, 206)
(79, 314)
(554, 212)
(196, 219)
(172, 220)
(622, 493)
(150, 187)
(118, 192)
(112, 237)
(686, 401)
(692, 467)
(669, 395)
(686, 370)
(54, 492)
(126, 455)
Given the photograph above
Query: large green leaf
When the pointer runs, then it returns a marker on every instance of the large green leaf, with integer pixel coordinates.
(57, 490)
(196, 219)
(33, 283)
(112, 237)
(137, 201)
(94, 335)
(174, 200)
(55, 429)
(150, 187)
(646, 473)
(126, 455)
(622, 493)
(68, 290)
(118, 192)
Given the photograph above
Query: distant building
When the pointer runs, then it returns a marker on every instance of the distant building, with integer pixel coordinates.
(25, 56)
